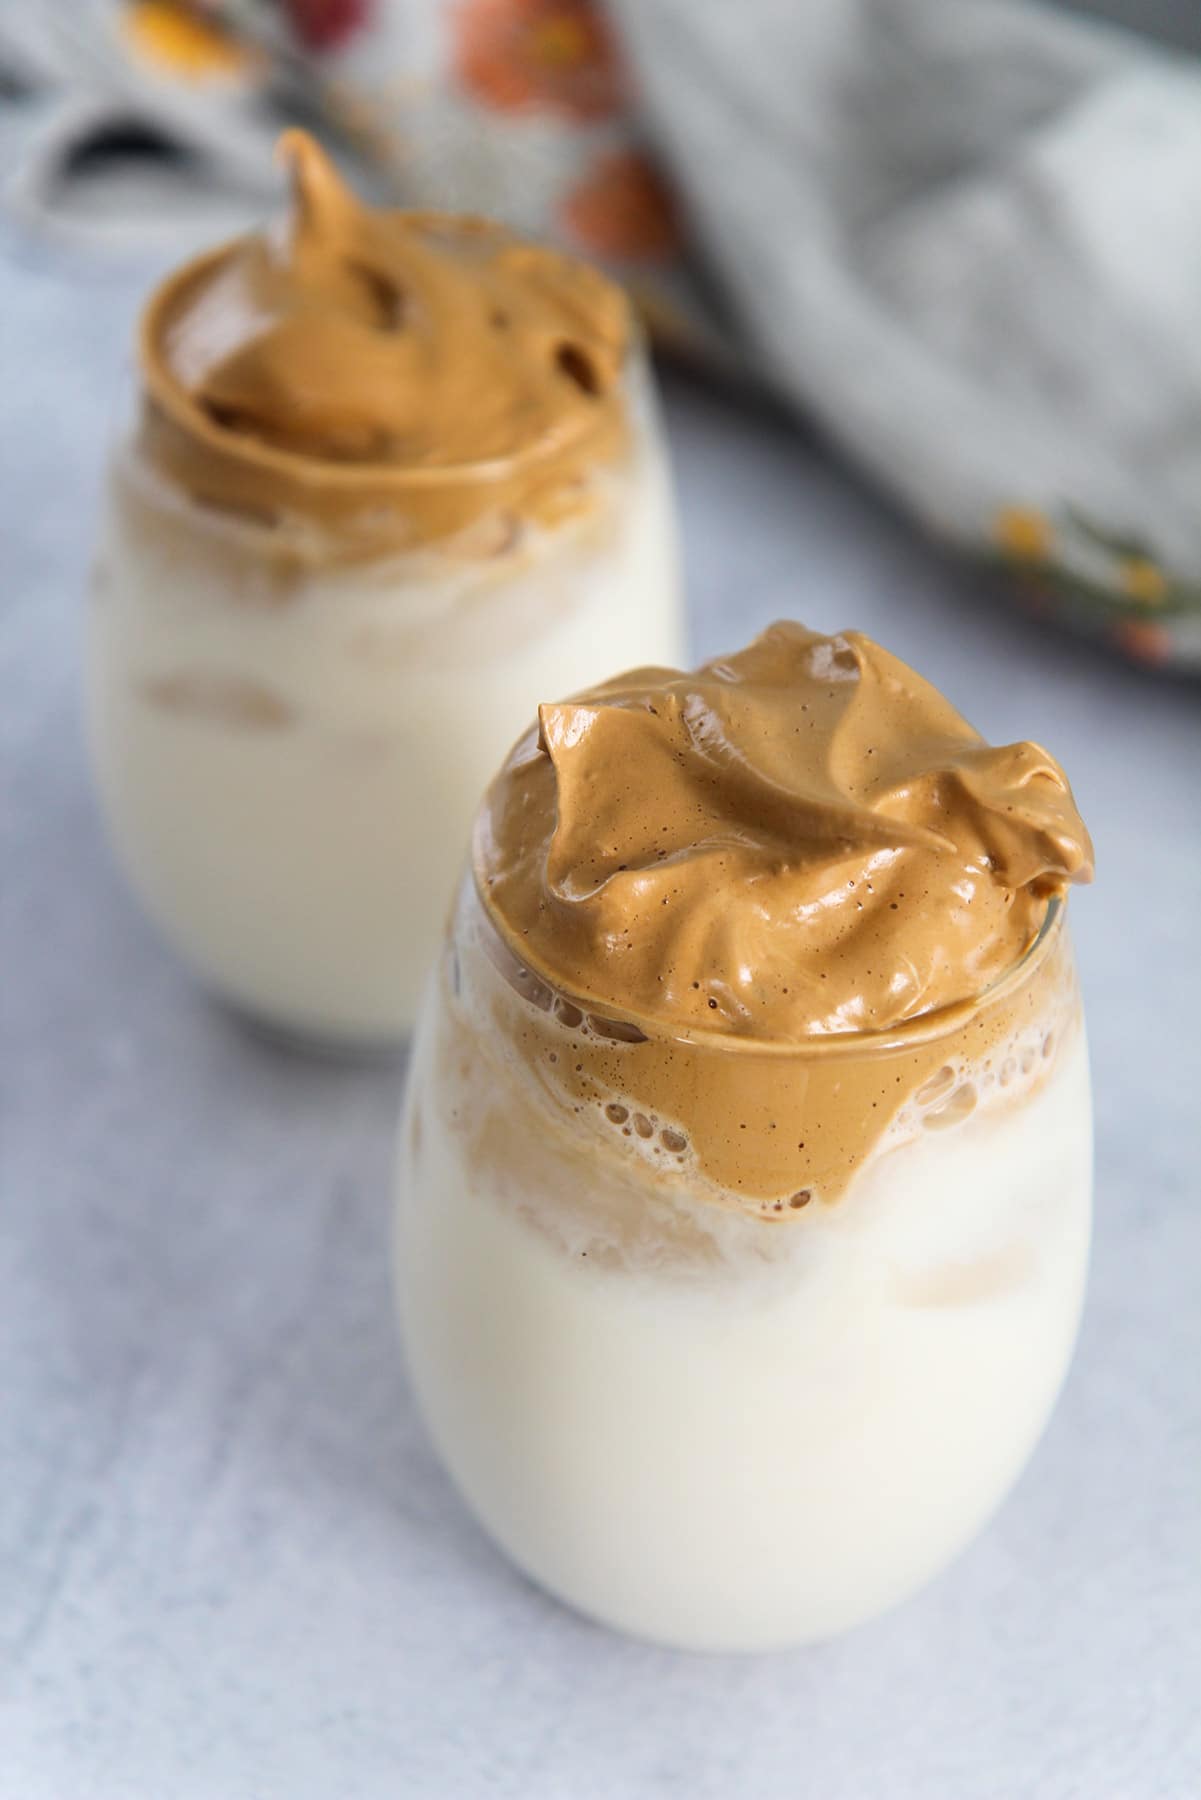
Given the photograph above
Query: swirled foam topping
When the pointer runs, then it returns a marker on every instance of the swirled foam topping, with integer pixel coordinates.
(794, 843)
(385, 376)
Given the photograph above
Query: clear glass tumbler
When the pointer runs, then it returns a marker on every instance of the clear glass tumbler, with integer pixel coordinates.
(732, 1429)
(289, 748)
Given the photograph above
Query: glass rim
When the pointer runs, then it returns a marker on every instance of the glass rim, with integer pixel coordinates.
(921, 1028)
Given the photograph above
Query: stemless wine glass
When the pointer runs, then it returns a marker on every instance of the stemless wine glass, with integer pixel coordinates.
(728, 1429)
(289, 745)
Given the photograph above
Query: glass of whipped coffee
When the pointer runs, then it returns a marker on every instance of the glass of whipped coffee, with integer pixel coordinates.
(393, 479)
(745, 1174)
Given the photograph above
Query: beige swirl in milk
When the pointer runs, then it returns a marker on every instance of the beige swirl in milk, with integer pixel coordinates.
(385, 377)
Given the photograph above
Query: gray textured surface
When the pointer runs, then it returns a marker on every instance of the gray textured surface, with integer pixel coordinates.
(229, 1565)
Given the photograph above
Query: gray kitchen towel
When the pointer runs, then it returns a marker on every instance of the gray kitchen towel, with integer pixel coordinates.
(967, 237)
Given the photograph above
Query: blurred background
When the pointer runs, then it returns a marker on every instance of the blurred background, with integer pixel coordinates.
(925, 280)
(961, 242)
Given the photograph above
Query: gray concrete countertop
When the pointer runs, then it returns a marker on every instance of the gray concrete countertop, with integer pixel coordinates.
(229, 1564)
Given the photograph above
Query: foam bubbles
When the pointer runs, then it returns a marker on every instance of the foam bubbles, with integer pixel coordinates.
(953, 1110)
(646, 1132)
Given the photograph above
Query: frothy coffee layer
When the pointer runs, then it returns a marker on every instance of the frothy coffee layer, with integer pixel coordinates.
(751, 923)
(762, 1128)
(796, 842)
(387, 377)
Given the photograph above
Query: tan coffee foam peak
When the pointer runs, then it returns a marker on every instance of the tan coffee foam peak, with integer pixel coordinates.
(389, 376)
